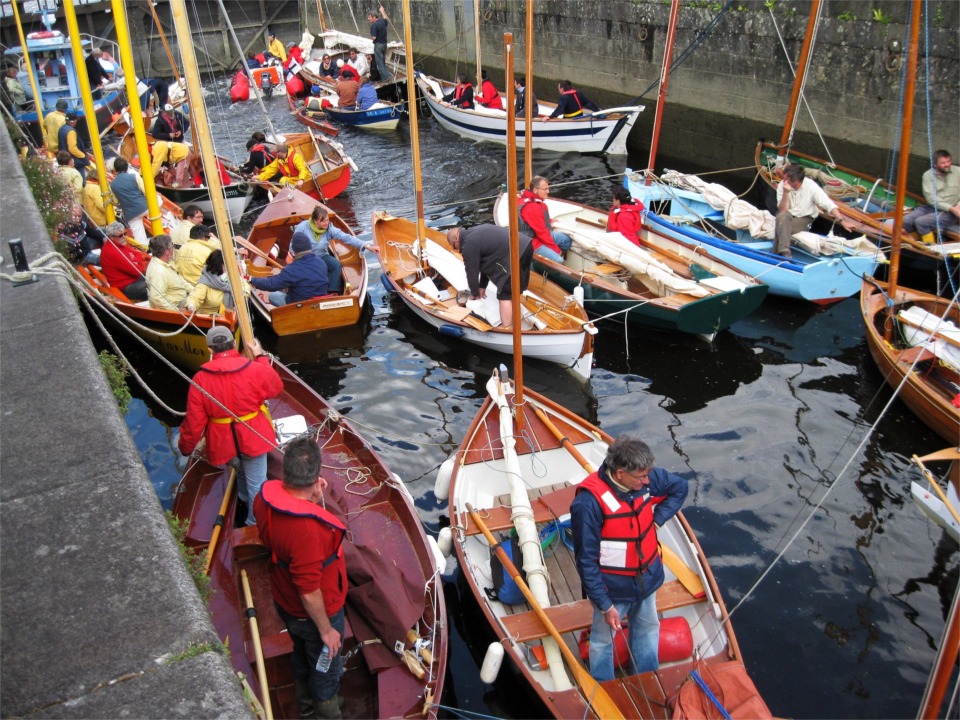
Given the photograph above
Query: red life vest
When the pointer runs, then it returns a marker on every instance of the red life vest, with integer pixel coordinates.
(267, 155)
(628, 537)
(334, 583)
(579, 106)
(286, 166)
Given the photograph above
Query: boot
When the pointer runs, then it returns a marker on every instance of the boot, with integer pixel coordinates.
(328, 709)
(304, 699)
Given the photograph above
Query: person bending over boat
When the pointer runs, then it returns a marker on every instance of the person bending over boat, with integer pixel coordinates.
(571, 102)
(226, 403)
(347, 88)
(96, 74)
(128, 188)
(941, 190)
(169, 130)
(489, 97)
(320, 233)
(535, 221)
(260, 155)
(288, 165)
(123, 265)
(618, 508)
(308, 575)
(212, 295)
(486, 258)
(799, 199)
(624, 216)
(462, 95)
(166, 288)
(302, 279)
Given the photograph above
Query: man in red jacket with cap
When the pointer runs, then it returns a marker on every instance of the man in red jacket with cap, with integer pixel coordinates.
(227, 402)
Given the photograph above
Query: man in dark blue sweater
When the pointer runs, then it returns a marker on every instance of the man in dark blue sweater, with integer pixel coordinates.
(304, 278)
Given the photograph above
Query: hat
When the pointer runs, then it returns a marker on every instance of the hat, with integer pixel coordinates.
(71, 116)
(168, 108)
(300, 243)
(219, 335)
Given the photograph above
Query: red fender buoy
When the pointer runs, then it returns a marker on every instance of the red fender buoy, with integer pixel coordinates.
(240, 89)
(295, 86)
(676, 642)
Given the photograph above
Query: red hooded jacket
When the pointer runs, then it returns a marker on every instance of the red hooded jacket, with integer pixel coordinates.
(536, 217)
(242, 385)
(626, 220)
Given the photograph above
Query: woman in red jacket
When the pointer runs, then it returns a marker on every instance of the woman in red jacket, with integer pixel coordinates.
(489, 97)
(624, 216)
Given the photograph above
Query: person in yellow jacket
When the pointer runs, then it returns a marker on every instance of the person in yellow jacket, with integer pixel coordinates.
(288, 165)
(275, 47)
(93, 201)
(193, 254)
(52, 124)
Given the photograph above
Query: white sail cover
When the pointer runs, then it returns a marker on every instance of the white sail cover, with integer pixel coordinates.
(936, 334)
(737, 214)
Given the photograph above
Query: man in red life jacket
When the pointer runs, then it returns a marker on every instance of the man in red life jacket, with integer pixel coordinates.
(308, 574)
(226, 402)
(614, 518)
(624, 216)
(535, 221)
(288, 165)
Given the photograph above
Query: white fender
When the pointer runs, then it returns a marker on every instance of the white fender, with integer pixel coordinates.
(491, 663)
(445, 541)
(441, 487)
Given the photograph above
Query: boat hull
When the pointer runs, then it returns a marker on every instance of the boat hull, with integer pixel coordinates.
(380, 517)
(237, 195)
(384, 118)
(589, 134)
(925, 385)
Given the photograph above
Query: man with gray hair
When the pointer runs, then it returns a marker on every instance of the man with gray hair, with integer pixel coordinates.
(227, 403)
(614, 518)
(166, 288)
(124, 265)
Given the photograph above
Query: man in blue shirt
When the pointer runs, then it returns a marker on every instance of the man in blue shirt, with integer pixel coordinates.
(319, 232)
(378, 33)
(304, 278)
(614, 517)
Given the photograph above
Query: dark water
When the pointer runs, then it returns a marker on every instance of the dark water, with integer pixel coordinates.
(781, 426)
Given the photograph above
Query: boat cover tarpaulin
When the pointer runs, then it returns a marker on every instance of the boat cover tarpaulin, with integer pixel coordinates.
(737, 214)
(732, 688)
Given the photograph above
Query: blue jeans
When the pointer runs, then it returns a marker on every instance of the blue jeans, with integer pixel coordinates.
(334, 273)
(307, 646)
(254, 476)
(380, 58)
(562, 240)
(278, 298)
(644, 638)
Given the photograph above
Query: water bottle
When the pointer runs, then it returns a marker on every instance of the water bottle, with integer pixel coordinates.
(323, 662)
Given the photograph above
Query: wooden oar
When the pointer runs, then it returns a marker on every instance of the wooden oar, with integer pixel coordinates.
(688, 578)
(218, 524)
(316, 149)
(600, 701)
(257, 647)
(424, 651)
(257, 251)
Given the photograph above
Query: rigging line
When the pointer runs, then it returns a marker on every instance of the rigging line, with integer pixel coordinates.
(793, 72)
(853, 456)
(687, 51)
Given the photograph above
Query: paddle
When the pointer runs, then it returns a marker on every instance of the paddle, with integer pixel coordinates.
(257, 251)
(218, 524)
(599, 700)
(257, 647)
(688, 578)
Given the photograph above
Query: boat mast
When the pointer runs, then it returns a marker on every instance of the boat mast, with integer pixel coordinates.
(906, 128)
(211, 169)
(515, 292)
(476, 39)
(89, 112)
(414, 125)
(166, 45)
(243, 61)
(943, 665)
(664, 79)
(323, 24)
(37, 98)
(799, 78)
(136, 114)
(528, 106)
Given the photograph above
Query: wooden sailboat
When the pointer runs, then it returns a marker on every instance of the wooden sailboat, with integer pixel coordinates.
(421, 267)
(941, 506)
(913, 336)
(518, 468)
(270, 237)
(663, 283)
(400, 602)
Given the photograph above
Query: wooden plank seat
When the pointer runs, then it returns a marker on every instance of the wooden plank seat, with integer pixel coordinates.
(545, 509)
(916, 354)
(93, 275)
(575, 616)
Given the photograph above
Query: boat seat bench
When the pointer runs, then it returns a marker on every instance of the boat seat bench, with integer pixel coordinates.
(574, 616)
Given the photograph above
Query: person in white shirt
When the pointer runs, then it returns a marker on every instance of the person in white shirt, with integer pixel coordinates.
(359, 62)
(799, 199)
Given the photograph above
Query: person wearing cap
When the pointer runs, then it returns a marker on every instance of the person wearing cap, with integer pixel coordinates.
(52, 124)
(169, 130)
(226, 403)
(166, 288)
(275, 47)
(486, 259)
(128, 189)
(320, 232)
(288, 165)
(123, 265)
(69, 140)
(347, 88)
(358, 61)
(378, 33)
(193, 254)
(304, 278)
